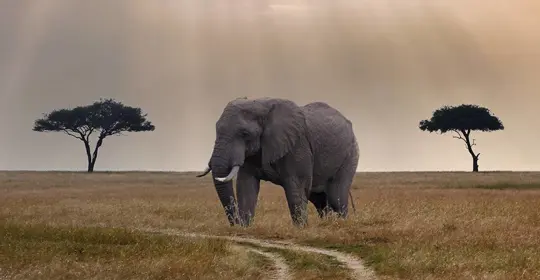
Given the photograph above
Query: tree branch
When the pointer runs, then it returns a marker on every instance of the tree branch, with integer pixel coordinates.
(119, 133)
(66, 131)
(459, 136)
(88, 133)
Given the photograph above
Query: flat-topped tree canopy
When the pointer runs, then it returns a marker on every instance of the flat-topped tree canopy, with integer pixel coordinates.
(462, 120)
(105, 117)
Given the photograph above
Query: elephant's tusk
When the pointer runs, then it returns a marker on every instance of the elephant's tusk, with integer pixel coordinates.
(232, 174)
(206, 171)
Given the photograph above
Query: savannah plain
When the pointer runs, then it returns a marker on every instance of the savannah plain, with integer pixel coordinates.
(432, 225)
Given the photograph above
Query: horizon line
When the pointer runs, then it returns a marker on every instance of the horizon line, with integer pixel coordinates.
(198, 171)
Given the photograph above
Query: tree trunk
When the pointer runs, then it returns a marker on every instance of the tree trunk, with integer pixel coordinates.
(475, 157)
(92, 157)
(475, 164)
(90, 165)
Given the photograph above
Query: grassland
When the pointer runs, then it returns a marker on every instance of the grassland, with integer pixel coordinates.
(62, 225)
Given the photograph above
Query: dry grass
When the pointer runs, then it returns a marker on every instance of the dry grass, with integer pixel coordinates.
(45, 252)
(407, 225)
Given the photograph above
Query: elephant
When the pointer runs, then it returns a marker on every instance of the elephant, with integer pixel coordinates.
(310, 151)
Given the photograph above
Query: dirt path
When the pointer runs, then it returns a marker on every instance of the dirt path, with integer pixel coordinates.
(358, 270)
(282, 269)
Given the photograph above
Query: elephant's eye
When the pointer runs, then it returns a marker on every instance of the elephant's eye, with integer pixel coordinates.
(244, 133)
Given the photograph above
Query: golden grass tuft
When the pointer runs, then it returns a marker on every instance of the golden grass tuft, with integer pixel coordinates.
(43, 252)
(434, 225)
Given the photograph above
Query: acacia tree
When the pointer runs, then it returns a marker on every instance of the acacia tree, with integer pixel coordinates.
(103, 118)
(462, 120)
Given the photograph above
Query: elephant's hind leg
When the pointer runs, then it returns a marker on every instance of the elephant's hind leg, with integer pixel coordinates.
(319, 200)
(338, 187)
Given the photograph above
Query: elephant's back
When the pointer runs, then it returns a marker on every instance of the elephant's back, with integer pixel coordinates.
(332, 138)
(323, 118)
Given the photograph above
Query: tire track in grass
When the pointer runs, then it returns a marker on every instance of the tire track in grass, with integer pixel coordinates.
(282, 269)
(354, 264)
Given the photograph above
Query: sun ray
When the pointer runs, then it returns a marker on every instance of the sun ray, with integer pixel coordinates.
(31, 29)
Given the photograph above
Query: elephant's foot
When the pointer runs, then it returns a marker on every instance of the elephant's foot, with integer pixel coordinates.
(300, 223)
(324, 212)
(246, 222)
(299, 216)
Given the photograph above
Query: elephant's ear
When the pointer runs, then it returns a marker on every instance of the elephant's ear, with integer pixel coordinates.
(283, 126)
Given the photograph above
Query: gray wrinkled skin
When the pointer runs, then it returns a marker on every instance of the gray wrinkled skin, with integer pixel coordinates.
(311, 151)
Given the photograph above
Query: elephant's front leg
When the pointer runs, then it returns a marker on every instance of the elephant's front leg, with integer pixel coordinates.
(295, 192)
(247, 192)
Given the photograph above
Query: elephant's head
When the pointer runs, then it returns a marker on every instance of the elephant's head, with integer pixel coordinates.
(263, 129)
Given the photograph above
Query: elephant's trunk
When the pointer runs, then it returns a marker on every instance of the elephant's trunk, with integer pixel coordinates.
(225, 164)
(226, 194)
(228, 200)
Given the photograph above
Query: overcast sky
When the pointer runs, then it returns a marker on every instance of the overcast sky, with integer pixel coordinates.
(385, 64)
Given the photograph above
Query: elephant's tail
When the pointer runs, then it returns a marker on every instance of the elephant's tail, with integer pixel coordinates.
(352, 201)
